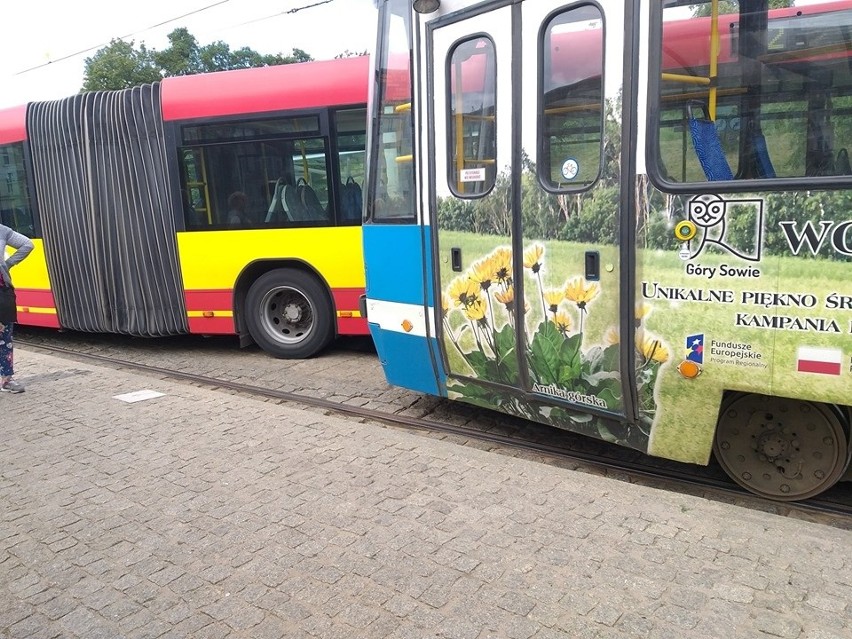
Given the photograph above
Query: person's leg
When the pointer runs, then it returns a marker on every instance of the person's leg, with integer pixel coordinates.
(7, 367)
(6, 361)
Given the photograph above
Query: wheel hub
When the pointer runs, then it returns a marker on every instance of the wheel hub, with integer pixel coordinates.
(779, 448)
(773, 444)
(292, 313)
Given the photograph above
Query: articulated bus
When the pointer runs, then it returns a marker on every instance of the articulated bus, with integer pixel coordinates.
(623, 218)
(223, 203)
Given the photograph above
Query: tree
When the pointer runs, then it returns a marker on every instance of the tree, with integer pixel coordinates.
(182, 57)
(350, 54)
(119, 65)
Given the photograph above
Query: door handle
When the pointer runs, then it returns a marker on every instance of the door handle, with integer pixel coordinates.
(455, 259)
(593, 266)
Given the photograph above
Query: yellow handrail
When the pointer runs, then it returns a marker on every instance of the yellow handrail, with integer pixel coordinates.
(714, 56)
(687, 79)
(714, 64)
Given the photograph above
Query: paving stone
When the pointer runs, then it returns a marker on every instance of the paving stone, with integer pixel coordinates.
(210, 515)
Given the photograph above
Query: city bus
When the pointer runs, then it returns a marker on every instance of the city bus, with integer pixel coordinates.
(626, 219)
(226, 203)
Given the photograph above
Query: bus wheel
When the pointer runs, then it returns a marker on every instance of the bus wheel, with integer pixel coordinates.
(781, 449)
(289, 314)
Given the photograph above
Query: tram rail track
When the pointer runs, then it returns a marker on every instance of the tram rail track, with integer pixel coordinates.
(647, 471)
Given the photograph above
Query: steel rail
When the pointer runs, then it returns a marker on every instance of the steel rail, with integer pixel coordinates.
(602, 462)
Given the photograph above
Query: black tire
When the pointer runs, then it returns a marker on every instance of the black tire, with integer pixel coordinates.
(289, 314)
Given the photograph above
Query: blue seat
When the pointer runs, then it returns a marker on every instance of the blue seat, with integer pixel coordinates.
(842, 165)
(707, 146)
(764, 164)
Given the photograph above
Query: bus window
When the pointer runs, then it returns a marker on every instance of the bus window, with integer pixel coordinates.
(15, 208)
(308, 202)
(276, 181)
(351, 126)
(472, 95)
(572, 100)
(196, 209)
(766, 94)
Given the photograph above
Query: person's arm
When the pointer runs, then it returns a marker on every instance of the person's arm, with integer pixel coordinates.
(22, 243)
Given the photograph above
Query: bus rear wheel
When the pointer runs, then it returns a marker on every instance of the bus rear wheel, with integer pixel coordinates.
(781, 449)
(289, 314)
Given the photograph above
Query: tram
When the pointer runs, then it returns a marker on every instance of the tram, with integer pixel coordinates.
(216, 204)
(626, 219)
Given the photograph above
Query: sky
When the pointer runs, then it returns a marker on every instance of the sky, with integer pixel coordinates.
(42, 56)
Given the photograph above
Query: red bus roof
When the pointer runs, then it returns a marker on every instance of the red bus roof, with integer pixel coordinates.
(13, 124)
(290, 86)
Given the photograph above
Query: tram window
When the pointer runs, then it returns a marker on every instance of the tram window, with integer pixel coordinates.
(572, 100)
(392, 155)
(15, 208)
(776, 101)
(472, 94)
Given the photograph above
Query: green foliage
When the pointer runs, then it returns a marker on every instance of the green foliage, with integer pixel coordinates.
(598, 222)
(120, 66)
(350, 54)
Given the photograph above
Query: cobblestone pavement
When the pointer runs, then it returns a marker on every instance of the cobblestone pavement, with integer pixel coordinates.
(205, 514)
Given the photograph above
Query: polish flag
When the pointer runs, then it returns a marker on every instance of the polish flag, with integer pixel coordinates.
(819, 360)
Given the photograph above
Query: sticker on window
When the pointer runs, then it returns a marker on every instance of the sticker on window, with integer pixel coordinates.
(570, 168)
(472, 175)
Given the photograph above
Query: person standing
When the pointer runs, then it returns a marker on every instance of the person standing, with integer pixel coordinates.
(8, 310)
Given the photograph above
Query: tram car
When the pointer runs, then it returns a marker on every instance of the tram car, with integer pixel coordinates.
(629, 220)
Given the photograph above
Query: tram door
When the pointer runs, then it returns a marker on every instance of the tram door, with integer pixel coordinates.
(473, 111)
(526, 206)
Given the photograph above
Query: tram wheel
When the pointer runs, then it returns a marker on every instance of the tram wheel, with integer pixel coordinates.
(289, 314)
(781, 449)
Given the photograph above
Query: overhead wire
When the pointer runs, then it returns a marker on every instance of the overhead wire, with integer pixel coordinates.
(281, 13)
(160, 24)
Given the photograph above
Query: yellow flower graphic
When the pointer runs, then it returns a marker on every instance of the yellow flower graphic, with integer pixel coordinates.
(553, 297)
(475, 309)
(482, 272)
(576, 291)
(462, 291)
(532, 257)
(562, 321)
(445, 303)
(502, 265)
(506, 297)
(612, 336)
(651, 348)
